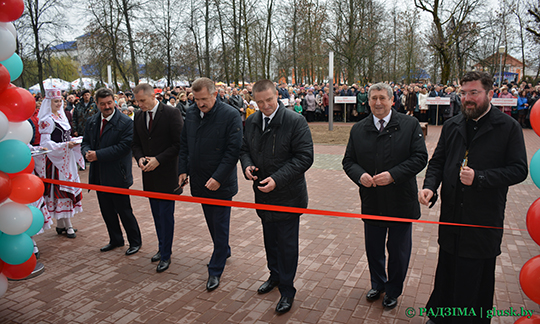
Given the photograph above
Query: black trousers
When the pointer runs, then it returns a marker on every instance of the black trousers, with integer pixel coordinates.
(281, 245)
(463, 282)
(218, 219)
(399, 246)
(163, 213)
(113, 207)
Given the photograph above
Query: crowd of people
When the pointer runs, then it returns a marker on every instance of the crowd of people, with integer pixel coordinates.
(197, 135)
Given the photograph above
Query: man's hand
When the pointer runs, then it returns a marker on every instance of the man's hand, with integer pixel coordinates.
(367, 181)
(268, 185)
(383, 179)
(212, 184)
(151, 165)
(75, 134)
(181, 178)
(467, 176)
(91, 156)
(142, 161)
(249, 172)
(424, 196)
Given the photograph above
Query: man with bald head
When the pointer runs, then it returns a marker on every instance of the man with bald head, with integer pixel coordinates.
(276, 152)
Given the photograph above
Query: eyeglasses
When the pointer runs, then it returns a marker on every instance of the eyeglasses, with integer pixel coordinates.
(472, 93)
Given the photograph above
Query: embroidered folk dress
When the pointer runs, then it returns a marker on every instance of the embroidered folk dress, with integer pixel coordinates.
(61, 164)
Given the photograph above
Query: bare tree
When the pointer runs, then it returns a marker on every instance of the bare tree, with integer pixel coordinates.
(455, 13)
(45, 20)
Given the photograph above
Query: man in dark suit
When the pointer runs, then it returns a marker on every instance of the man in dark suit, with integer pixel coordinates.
(209, 150)
(156, 143)
(107, 146)
(385, 152)
(276, 152)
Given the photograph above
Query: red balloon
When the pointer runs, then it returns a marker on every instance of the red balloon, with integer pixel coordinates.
(534, 319)
(529, 279)
(4, 78)
(20, 271)
(533, 221)
(5, 186)
(26, 188)
(11, 10)
(28, 169)
(17, 104)
(1, 265)
(535, 117)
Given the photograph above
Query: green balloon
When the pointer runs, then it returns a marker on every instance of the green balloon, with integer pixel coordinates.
(14, 65)
(16, 249)
(37, 221)
(535, 168)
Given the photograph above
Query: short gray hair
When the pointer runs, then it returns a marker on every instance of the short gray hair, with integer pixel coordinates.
(203, 82)
(381, 86)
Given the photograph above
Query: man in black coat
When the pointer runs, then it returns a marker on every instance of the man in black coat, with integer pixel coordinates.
(480, 154)
(156, 143)
(107, 146)
(276, 152)
(386, 151)
(209, 151)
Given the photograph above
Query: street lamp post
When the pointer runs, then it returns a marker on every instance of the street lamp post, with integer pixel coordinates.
(501, 52)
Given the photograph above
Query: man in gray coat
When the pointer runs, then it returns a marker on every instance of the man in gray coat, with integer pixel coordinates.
(276, 152)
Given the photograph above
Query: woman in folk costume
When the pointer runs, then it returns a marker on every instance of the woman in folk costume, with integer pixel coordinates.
(60, 163)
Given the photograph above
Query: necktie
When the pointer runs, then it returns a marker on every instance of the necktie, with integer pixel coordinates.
(381, 128)
(103, 123)
(266, 122)
(150, 121)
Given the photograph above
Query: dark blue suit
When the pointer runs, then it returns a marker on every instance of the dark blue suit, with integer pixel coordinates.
(209, 148)
(163, 143)
(113, 168)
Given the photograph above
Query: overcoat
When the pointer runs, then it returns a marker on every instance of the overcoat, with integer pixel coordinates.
(399, 149)
(498, 157)
(283, 151)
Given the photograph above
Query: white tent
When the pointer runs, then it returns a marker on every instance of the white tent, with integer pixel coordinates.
(87, 83)
(52, 83)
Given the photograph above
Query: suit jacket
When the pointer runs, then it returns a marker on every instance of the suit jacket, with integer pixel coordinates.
(163, 143)
(113, 150)
(498, 157)
(399, 149)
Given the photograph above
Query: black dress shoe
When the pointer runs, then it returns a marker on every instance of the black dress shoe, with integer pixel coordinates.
(163, 265)
(156, 257)
(389, 302)
(267, 286)
(133, 250)
(212, 283)
(284, 305)
(373, 294)
(110, 246)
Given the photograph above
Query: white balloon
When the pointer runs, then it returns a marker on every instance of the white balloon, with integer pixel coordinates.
(15, 218)
(9, 26)
(22, 131)
(8, 44)
(4, 125)
(3, 285)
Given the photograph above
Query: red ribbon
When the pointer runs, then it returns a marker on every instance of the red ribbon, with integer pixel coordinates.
(240, 204)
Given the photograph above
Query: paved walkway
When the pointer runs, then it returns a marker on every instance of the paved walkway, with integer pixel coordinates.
(83, 285)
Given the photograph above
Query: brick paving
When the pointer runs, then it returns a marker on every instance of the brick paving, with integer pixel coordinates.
(82, 285)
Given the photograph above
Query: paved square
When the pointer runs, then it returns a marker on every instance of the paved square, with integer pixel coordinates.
(83, 285)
